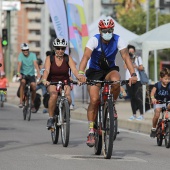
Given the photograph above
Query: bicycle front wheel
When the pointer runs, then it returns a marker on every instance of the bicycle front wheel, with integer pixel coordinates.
(167, 135)
(108, 127)
(65, 126)
(98, 136)
(55, 133)
(159, 135)
(29, 108)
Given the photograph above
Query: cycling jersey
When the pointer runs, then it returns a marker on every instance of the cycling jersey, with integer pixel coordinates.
(110, 50)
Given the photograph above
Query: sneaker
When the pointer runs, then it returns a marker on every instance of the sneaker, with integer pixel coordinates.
(90, 140)
(2, 104)
(20, 105)
(71, 107)
(140, 118)
(33, 110)
(50, 123)
(45, 111)
(153, 133)
(132, 118)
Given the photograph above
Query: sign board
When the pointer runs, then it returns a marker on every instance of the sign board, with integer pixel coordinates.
(11, 5)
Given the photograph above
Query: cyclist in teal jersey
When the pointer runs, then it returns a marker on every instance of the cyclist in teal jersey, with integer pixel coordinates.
(27, 63)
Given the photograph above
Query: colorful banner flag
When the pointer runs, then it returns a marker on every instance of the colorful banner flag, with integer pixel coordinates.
(78, 31)
(59, 18)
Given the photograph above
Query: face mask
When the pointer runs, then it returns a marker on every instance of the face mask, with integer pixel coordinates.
(131, 55)
(107, 36)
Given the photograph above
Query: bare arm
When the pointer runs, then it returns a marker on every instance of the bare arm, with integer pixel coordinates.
(19, 67)
(86, 57)
(73, 68)
(153, 95)
(47, 68)
(125, 55)
(37, 68)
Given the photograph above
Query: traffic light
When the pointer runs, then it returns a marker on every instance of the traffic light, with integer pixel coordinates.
(4, 37)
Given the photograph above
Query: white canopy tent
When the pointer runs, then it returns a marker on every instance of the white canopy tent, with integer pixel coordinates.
(156, 39)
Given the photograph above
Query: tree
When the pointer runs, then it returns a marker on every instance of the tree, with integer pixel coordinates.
(132, 16)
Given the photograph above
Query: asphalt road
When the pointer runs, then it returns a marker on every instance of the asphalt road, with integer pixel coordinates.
(27, 146)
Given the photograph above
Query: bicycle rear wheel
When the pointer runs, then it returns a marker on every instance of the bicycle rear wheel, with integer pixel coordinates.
(159, 135)
(167, 135)
(65, 126)
(107, 133)
(115, 131)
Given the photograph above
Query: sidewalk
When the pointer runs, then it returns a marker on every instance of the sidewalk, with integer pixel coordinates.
(80, 112)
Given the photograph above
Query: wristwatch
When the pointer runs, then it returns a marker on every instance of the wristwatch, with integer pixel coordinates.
(133, 75)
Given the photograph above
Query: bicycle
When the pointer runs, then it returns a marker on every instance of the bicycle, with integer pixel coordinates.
(163, 126)
(61, 115)
(106, 124)
(2, 96)
(27, 100)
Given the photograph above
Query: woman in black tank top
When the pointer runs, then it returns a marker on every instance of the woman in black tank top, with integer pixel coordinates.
(57, 69)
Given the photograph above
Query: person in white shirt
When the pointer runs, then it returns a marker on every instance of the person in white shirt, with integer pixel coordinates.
(135, 90)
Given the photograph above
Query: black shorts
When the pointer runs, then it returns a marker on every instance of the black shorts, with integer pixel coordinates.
(28, 78)
(93, 74)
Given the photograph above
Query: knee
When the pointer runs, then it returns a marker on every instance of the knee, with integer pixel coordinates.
(94, 100)
(53, 97)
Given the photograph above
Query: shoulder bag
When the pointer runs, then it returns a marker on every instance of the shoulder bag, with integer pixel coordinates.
(143, 76)
(103, 62)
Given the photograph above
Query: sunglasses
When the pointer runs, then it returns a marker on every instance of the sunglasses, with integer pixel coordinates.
(25, 50)
(60, 48)
(109, 30)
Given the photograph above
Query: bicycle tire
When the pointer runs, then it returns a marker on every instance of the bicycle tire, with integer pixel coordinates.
(29, 108)
(167, 135)
(55, 133)
(98, 138)
(159, 135)
(115, 128)
(24, 112)
(65, 126)
(107, 133)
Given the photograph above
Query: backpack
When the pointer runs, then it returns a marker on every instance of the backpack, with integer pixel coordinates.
(37, 102)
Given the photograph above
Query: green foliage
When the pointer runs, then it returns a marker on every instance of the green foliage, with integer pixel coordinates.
(134, 19)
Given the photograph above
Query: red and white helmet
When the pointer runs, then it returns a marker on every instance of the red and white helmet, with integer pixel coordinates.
(106, 23)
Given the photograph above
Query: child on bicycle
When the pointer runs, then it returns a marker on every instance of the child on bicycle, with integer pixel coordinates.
(3, 84)
(160, 91)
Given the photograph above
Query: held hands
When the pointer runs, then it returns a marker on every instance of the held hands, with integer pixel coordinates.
(45, 82)
(154, 101)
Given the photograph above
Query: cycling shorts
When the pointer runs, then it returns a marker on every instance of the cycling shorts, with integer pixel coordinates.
(93, 74)
(28, 78)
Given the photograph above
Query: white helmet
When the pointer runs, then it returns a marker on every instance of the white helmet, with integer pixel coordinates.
(24, 46)
(60, 42)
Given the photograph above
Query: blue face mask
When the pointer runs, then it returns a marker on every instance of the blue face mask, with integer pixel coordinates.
(107, 36)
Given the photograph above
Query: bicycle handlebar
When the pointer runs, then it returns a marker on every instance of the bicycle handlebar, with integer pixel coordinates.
(162, 102)
(63, 83)
(94, 82)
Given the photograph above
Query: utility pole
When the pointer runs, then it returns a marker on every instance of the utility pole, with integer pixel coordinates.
(8, 48)
(147, 16)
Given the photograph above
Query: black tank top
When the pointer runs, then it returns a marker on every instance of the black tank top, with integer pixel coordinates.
(59, 73)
